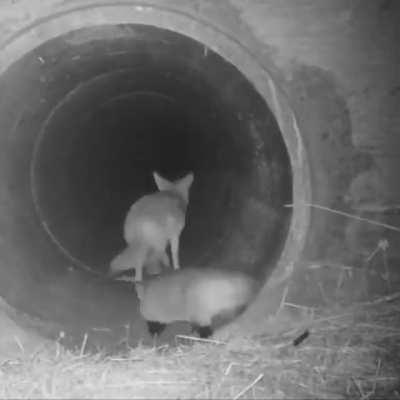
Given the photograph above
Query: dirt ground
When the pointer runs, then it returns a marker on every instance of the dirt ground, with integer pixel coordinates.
(342, 353)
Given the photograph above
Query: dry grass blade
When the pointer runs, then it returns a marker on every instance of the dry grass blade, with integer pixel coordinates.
(197, 339)
(83, 346)
(349, 215)
(19, 344)
(248, 387)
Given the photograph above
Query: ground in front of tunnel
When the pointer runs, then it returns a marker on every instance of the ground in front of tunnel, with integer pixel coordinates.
(349, 352)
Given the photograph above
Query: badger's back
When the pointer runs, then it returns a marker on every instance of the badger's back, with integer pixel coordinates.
(196, 295)
(217, 293)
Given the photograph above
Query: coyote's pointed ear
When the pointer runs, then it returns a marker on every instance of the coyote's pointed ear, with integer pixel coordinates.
(183, 185)
(162, 183)
(139, 290)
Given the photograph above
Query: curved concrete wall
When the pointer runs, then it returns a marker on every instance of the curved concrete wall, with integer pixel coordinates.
(328, 71)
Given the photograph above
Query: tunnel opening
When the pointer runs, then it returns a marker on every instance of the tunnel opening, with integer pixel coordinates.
(88, 116)
(161, 105)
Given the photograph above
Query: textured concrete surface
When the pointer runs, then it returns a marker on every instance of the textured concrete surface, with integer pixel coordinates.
(338, 64)
(19, 339)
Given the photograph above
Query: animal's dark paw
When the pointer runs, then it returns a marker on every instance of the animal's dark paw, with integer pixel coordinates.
(155, 328)
(203, 331)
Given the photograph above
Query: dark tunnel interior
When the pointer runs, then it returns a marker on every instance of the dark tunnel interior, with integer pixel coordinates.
(85, 118)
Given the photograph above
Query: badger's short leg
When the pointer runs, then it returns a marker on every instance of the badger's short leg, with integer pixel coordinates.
(155, 328)
(203, 331)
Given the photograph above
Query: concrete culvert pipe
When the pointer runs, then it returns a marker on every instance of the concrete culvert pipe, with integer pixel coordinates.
(88, 112)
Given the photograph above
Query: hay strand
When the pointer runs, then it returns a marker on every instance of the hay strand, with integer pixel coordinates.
(349, 215)
(248, 387)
